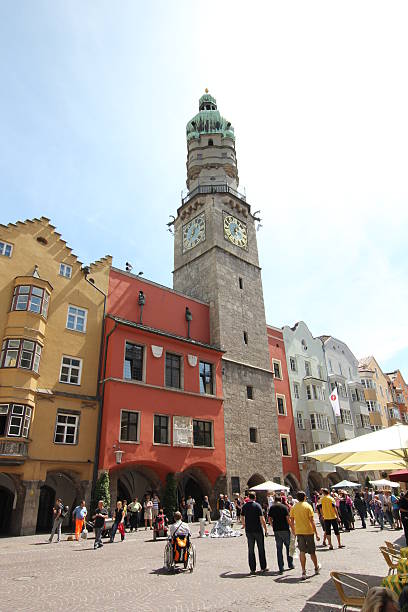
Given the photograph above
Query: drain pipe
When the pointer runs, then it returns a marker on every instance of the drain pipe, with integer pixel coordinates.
(101, 401)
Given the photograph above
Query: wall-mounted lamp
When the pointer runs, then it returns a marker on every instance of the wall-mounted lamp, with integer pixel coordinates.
(118, 453)
(141, 300)
(189, 318)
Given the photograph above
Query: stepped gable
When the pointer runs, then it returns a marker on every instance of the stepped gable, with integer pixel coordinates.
(42, 228)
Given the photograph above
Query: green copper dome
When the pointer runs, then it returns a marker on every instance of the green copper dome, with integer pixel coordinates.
(208, 120)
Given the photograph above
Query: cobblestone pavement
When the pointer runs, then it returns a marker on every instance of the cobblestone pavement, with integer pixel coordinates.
(35, 576)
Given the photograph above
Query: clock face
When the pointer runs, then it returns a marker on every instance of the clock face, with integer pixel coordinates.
(235, 231)
(193, 232)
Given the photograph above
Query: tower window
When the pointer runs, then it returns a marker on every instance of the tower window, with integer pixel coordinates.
(241, 284)
(253, 434)
(250, 392)
(245, 337)
(210, 142)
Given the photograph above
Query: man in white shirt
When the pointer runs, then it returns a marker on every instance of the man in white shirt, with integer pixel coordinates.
(178, 527)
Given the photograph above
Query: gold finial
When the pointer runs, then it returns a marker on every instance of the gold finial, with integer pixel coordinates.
(206, 90)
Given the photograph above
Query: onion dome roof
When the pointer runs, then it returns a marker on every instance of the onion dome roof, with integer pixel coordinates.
(208, 120)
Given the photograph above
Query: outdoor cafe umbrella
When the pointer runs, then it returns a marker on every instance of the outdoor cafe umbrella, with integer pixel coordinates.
(385, 449)
(384, 483)
(346, 484)
(268, 485)
(399, 476)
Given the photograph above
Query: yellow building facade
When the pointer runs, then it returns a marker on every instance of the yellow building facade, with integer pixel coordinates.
(51, 317)
(379, 394)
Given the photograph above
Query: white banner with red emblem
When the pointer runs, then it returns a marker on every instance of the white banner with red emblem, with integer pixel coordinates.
(334, 400)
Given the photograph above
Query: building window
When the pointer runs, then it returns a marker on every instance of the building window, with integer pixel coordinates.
(308, 368)
(319, 421)
(296, 390)
(206, 378)
(133, 366)
(202, 433)
(372, 406)
(309, 392)
(277, 371)
(129, 426)
(346, 417)
(365, 421)
(235, 485)
(281, 404)
(6, 249)
(20, 354)
(241, 284)
(303, 448)
(320, 372)
(65, 270)
(66, 428)
(28, 297)
(71, 368)
(15, 420)
(76, 319)
(300, 421)
(285, 446)
(173, 366)
(253, 437)
(250, 392)
(161, 429)
(245, 337)
(292, 362)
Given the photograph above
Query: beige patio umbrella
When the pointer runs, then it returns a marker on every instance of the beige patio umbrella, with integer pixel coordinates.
(269, 485)
(385, 449)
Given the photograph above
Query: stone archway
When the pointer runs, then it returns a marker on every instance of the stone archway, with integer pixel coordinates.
(134, 482)
(292, 482)
(194, 482)
(314, 483)
(254, 480)
(332, 479)
(66, 486)
(8, 496)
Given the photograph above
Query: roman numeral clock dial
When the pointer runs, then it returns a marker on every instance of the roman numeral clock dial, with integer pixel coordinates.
(235, 231)
(193, 232)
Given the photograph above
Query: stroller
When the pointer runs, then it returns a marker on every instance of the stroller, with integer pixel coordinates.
(160, 526)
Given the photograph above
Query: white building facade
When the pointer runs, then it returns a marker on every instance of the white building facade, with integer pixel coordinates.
(313, 414)
(343, 373)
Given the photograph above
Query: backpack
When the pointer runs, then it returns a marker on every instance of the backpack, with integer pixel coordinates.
(64, 511)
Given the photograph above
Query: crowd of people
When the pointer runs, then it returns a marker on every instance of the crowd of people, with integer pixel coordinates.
(292, 520)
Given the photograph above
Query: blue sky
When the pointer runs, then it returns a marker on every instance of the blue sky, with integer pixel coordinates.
(95, 99)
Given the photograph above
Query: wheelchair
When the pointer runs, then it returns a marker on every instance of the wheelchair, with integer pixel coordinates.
(179, 550)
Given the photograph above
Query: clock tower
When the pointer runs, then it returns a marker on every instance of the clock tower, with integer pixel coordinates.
(216, 260)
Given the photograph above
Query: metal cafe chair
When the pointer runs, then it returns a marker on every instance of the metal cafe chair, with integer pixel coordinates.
(342, 580)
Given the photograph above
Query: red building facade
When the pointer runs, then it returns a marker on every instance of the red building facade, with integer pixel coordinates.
(286, 426)
(162, 392)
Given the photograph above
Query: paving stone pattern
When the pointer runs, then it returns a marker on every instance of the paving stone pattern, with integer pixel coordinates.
(72, 576)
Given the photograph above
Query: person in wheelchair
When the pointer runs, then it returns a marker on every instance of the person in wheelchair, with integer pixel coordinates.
(179, 549)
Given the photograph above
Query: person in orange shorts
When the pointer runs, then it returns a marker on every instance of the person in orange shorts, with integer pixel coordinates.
(79, 515)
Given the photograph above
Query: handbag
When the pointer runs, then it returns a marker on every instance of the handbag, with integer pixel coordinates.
(84, 534)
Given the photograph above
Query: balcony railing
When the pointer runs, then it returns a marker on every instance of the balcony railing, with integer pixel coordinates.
(206, 189)
(13, 451)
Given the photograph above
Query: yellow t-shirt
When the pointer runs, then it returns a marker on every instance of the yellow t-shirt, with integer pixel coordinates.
(328, 511)
(302, 512)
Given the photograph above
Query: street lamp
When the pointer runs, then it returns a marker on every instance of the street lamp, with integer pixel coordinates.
(118, 453)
